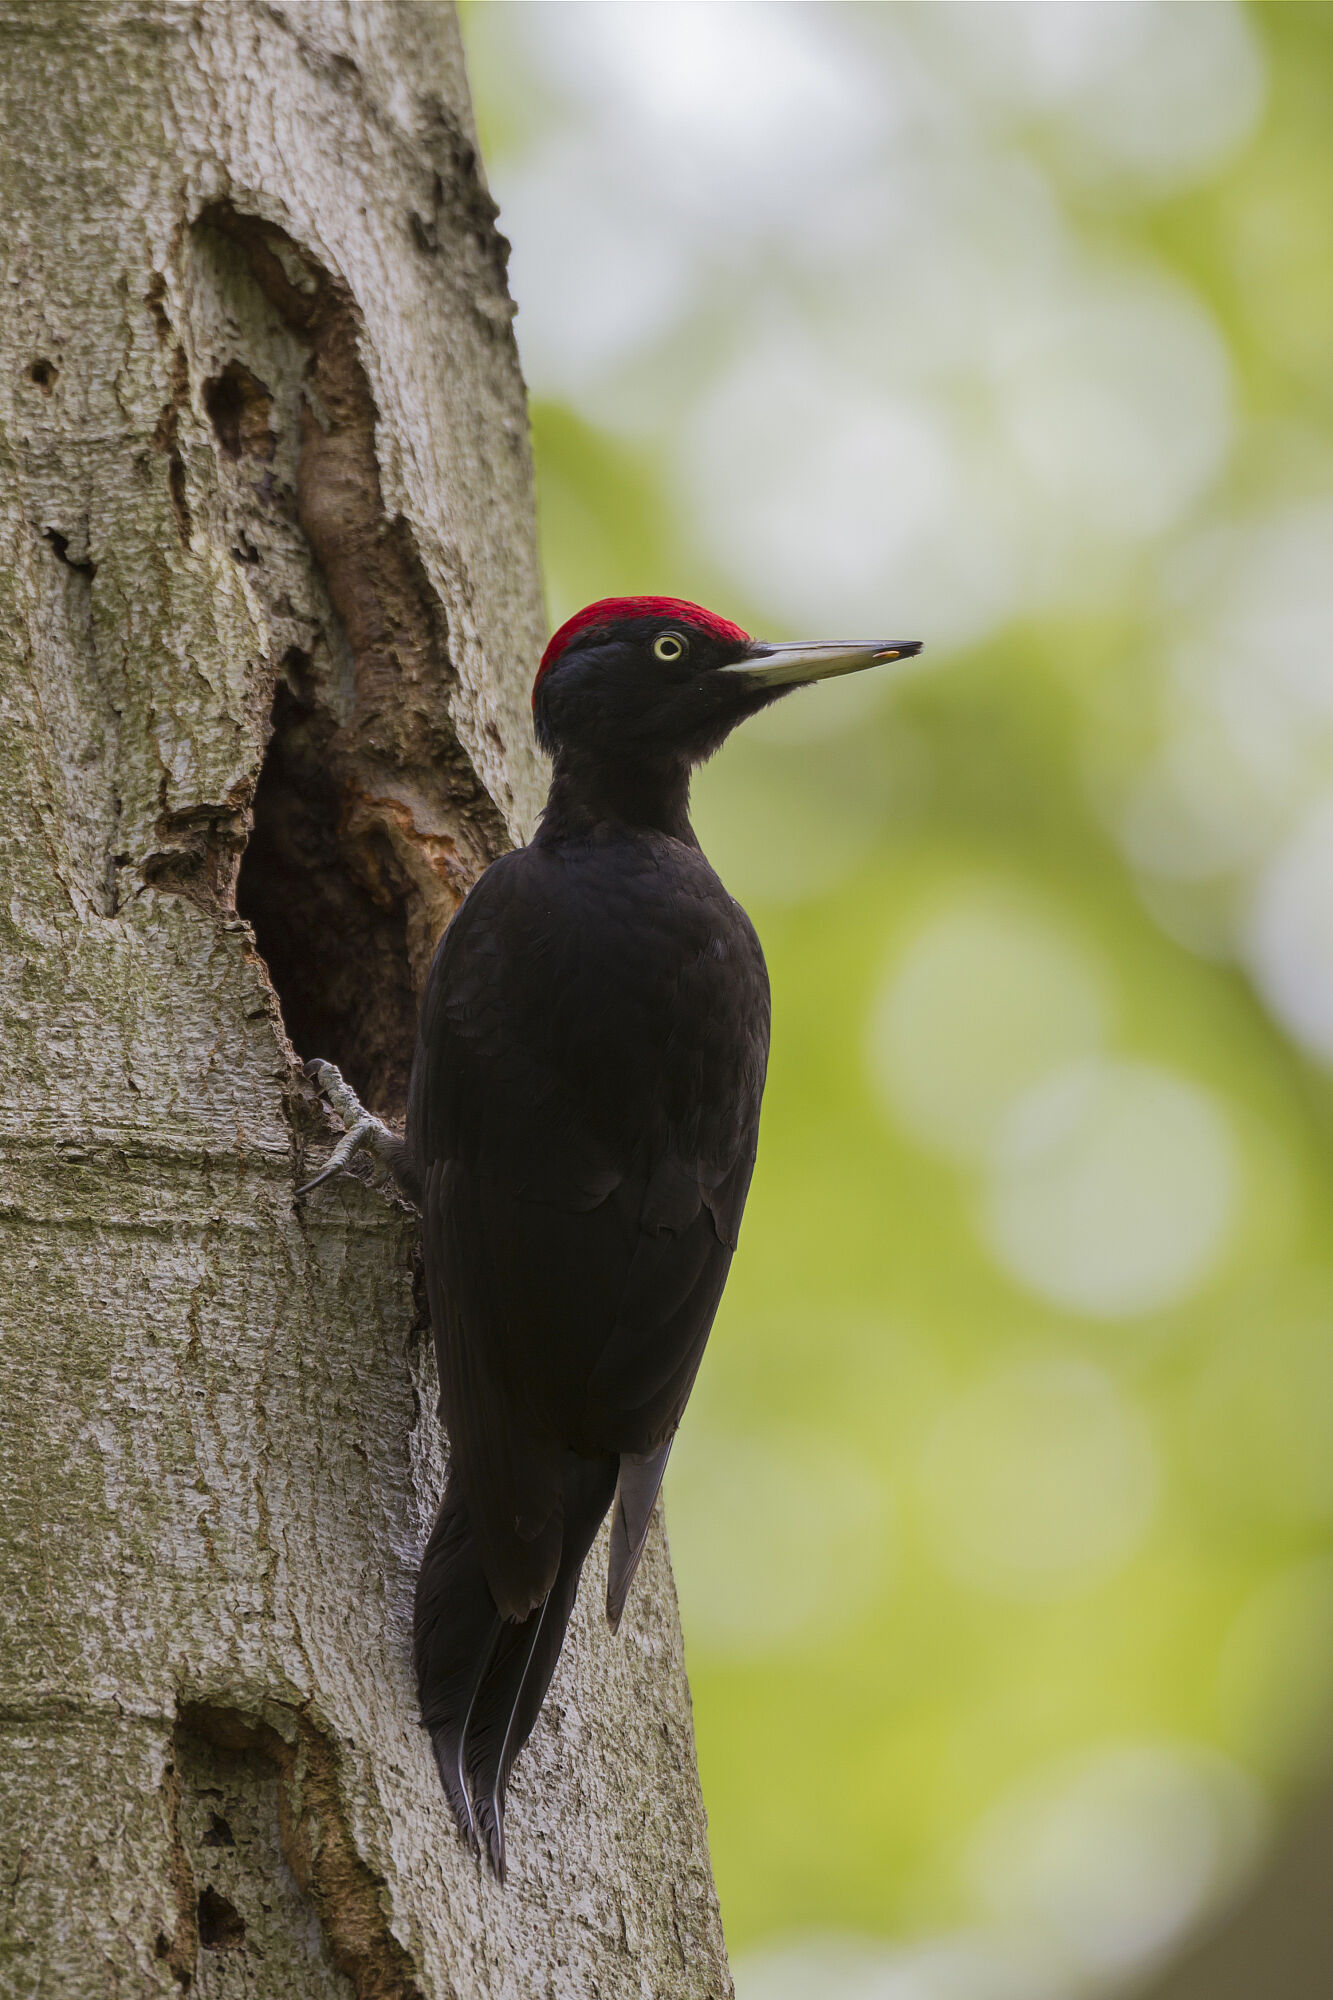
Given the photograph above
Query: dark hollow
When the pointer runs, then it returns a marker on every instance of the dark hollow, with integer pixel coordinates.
(239, 406)
(328, 912)
(221, 1925)
(60, 543)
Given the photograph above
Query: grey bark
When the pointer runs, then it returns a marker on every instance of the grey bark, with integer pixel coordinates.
(262, 436)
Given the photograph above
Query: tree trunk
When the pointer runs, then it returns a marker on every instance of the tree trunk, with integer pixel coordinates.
(268, 611)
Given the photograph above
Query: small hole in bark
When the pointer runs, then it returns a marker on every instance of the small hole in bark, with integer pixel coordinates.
(219, 1833)
(60, 543)
(44, 374)
(238, 406)
(328, 904)
(221, 1925)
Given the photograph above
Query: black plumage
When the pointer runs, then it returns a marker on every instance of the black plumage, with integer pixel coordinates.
(581, 1132)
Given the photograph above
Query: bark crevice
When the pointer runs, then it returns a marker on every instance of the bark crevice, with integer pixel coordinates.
(368, 821)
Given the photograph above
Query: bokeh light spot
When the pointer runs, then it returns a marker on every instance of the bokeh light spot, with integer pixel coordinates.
(833, 504)
(987, 995)
(1115, 1854)
(1038, 1482)
(1119, 405)
(780, 1540)
(967, 1966)
(1112, 1188)
(1157, 90)
(1289, 933)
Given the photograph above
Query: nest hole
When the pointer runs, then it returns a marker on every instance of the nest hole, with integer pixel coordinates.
(328, 908)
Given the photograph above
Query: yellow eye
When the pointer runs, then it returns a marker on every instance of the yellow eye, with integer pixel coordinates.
(669, 646)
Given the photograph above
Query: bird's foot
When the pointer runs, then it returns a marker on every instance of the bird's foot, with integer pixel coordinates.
(364, 1132)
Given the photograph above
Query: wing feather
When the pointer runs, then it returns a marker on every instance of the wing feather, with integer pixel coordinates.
(584, 1117)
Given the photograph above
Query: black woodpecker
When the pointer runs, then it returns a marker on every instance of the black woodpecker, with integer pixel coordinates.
(580, 1136)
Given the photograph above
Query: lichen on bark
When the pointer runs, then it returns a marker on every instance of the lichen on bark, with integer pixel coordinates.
(268, 599)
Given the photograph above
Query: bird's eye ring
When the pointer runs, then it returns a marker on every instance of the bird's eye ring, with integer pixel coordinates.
(670, 646)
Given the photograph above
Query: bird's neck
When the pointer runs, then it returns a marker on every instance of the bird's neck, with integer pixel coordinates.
(644, 796)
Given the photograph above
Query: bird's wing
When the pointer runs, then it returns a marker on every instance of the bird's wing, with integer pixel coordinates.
(585, 1123)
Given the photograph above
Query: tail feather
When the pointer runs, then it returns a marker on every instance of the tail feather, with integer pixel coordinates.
(507, 1721)
(449, 1744)
(482, 1678)
(636, 1494)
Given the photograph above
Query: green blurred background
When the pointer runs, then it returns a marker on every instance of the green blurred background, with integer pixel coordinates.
(1003, 1513)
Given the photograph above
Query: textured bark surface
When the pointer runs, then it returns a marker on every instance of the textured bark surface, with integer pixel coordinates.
(264, 486)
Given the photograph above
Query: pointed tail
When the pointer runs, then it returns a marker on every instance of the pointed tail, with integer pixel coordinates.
(636, 1495)
(482, 1678)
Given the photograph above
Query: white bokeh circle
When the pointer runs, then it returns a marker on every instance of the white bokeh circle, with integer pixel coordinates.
(1288, 935)
(779, 1542)
(1115, 1854)
(1112, 1188)
(988, 993)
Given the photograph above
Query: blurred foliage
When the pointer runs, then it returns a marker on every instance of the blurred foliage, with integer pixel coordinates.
(1003, 1512)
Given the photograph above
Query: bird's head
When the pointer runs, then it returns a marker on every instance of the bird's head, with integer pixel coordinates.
(654, 680)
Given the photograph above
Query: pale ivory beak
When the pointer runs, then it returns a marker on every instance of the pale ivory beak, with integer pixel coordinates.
(818, 660)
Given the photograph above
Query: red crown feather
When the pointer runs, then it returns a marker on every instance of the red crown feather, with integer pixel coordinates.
(610, 610)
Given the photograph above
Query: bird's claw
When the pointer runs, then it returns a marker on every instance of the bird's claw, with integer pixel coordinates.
(347, 1147)
(362, 1127)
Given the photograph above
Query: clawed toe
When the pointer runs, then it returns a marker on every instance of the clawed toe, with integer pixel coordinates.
(361, 1127)
(350, 1144)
